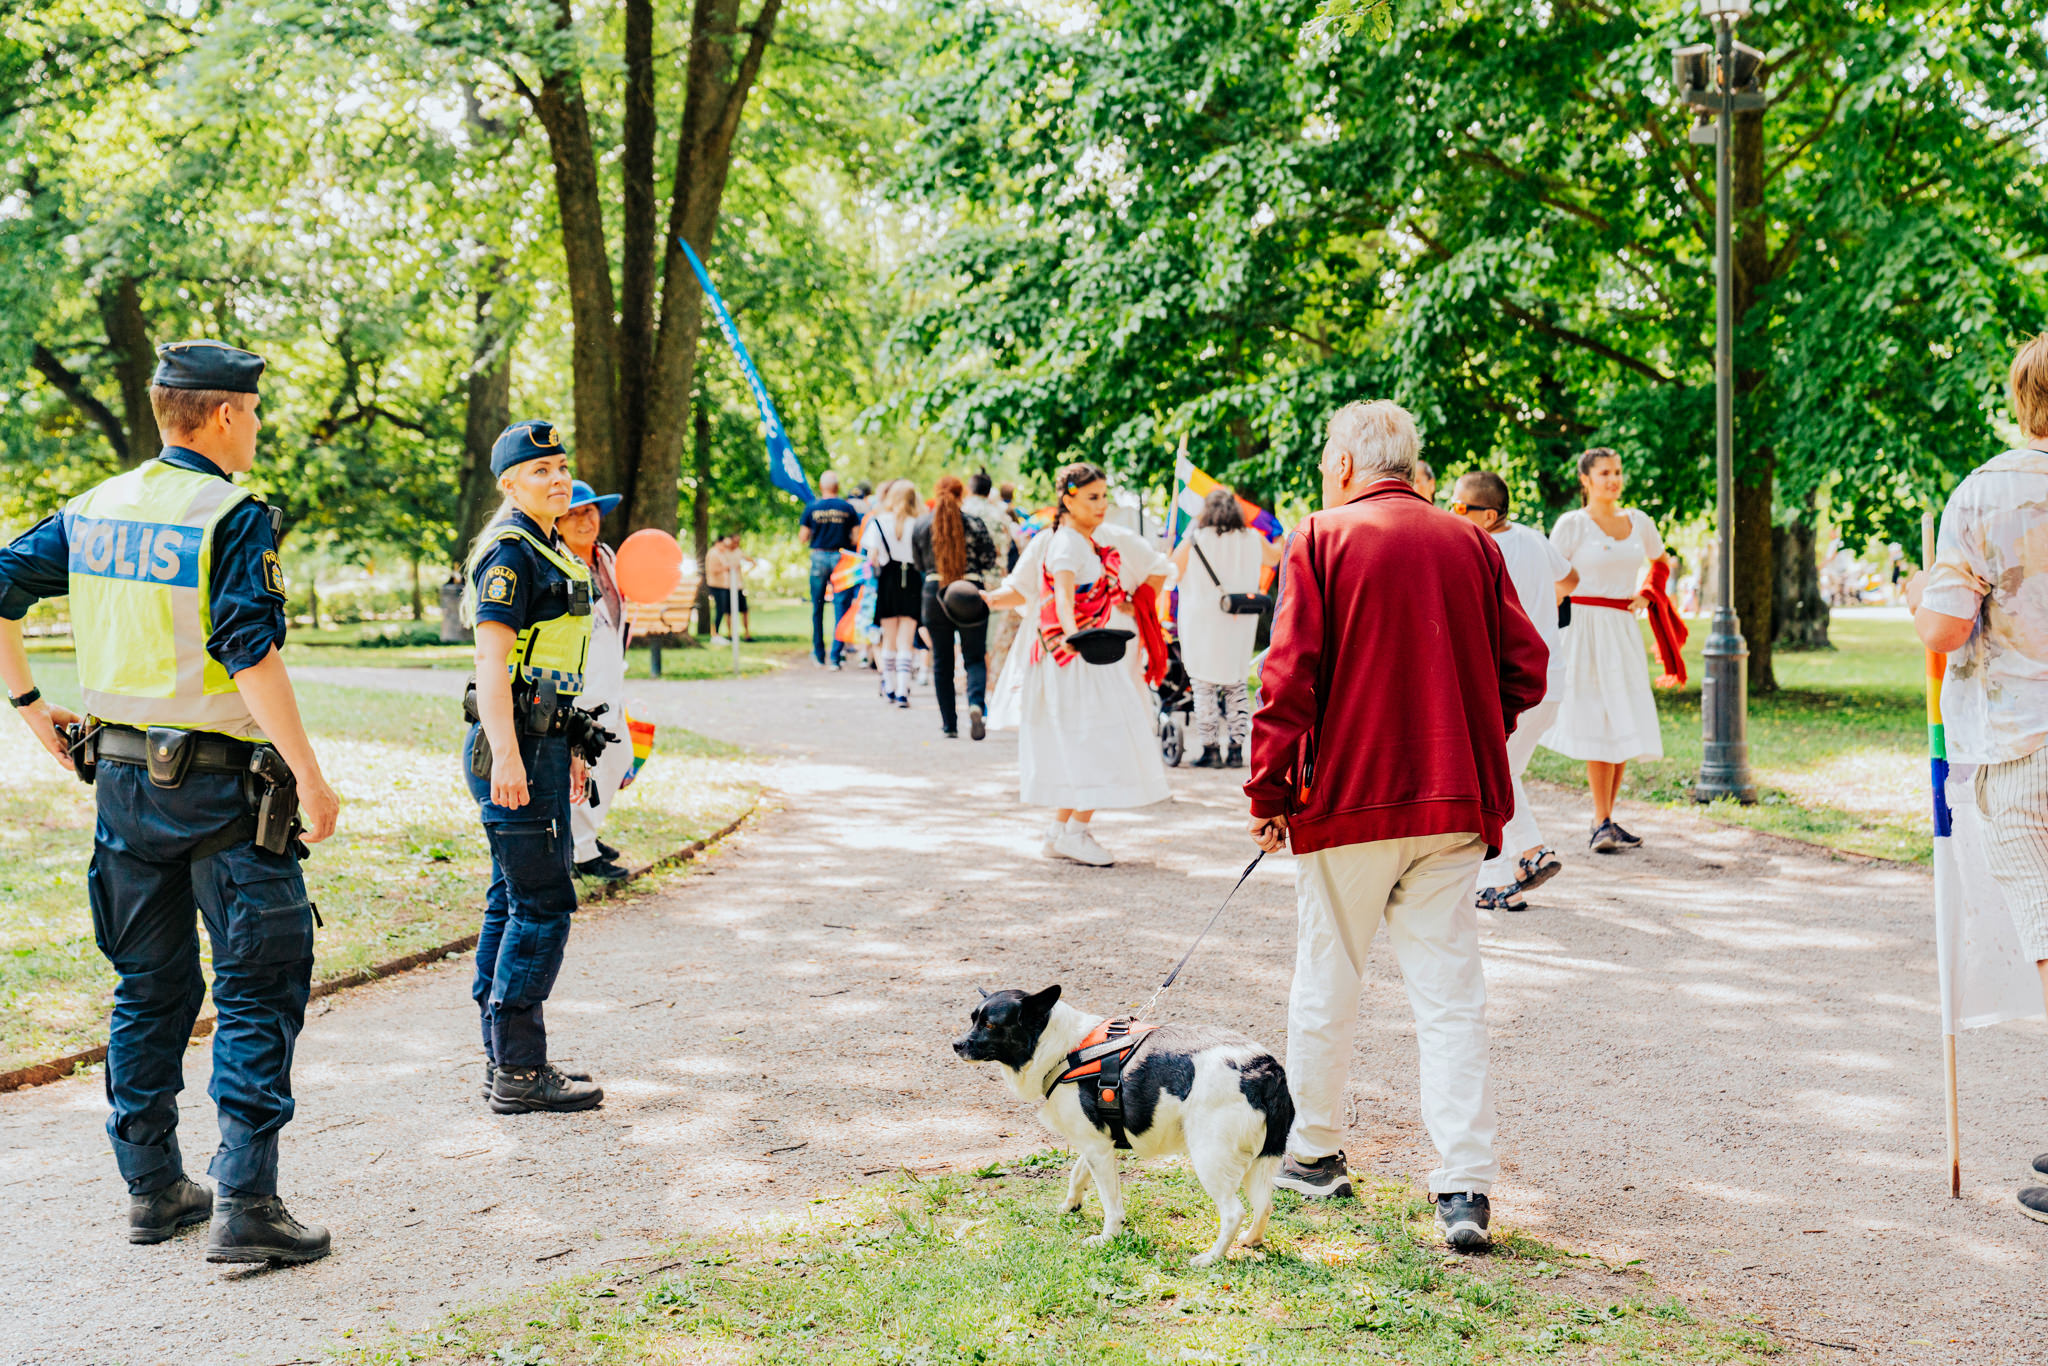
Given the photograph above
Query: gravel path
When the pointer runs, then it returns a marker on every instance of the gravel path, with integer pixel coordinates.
(1720, 1055)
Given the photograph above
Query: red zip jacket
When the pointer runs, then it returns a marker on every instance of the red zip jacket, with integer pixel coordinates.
(1401, 658)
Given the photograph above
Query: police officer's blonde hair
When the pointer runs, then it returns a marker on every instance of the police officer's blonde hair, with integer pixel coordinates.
(180, 412)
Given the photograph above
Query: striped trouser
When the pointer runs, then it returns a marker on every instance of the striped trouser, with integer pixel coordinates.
(1222, 708)
(2013, 799)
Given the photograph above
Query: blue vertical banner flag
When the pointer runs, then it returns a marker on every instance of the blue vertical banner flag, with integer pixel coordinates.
(783, 470)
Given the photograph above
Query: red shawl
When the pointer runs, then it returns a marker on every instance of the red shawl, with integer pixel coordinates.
(1666, 626)
(1093, 602)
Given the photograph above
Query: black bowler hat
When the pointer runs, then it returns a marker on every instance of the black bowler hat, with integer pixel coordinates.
(207, 365)
(532, 439)
(1100, 644)
(963, 604)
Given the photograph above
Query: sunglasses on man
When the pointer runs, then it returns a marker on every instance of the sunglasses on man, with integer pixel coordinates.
(1462, 508)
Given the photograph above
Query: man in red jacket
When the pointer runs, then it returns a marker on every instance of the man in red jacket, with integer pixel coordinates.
(1401, 658)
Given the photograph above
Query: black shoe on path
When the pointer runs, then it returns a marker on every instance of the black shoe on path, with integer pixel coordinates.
(1462, 1218)
(1211, 757)
(518, 1090)
(1604, 840)
(1628, 841)
(977, 724)
(1234, 759)
(603, 869)
(258, 1228)
(157, 1216)
(2034, 1202)
(606, 851)
(491, 1076)
(1326, 1178)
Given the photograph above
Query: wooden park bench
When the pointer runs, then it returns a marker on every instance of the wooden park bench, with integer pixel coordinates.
(662, 623)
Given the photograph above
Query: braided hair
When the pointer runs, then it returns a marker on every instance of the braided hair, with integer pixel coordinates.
(1078, 475)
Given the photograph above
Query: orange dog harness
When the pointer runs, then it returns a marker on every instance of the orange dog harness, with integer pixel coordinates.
(1101, 1061)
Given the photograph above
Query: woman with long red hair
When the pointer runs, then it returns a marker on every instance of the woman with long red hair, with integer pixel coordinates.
(948, 546)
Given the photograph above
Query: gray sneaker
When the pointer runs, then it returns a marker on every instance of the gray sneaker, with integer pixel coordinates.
(1326, 1178)
(1462, 1218)
(2034, 1203)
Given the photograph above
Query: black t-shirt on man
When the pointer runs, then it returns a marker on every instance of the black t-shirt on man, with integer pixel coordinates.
(832, 522)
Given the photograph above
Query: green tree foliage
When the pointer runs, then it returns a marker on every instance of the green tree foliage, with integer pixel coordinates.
(1226, 219)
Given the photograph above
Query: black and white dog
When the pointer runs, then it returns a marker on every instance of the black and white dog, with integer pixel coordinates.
(1212, 1094)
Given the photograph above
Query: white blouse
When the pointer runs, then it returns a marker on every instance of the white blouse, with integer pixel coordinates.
(1608, 568)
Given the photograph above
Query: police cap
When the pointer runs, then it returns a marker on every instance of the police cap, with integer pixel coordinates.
(207, 365)
(533, 439)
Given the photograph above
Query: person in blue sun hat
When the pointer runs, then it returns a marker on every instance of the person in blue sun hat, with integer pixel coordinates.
(604, 678)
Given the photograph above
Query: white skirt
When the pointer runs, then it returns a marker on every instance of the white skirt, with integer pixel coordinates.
(1606, 712)
(1085, 739)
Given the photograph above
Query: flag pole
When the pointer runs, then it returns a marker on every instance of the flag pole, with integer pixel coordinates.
(732, 615)
(1936, 667)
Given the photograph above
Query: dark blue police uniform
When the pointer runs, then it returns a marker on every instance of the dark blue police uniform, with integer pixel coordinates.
(145, 887)
(533, 876)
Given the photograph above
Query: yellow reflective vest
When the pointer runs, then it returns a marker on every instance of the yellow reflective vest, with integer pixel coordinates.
(555, 648)
(141, 606)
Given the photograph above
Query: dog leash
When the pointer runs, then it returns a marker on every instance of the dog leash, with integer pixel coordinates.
(1147, 1009)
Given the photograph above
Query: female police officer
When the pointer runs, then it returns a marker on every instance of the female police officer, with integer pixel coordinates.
(529, 599)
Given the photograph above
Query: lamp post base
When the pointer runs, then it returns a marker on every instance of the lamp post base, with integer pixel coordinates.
(1724, 715)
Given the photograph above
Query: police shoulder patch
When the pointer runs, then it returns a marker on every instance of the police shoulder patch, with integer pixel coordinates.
(273, 574)
(500, 582)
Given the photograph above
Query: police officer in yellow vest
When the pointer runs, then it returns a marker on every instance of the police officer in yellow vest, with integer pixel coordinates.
(528, 596)
(194, 740)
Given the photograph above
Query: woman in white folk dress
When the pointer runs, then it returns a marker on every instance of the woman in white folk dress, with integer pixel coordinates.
(1085, 740)
(1607, 715)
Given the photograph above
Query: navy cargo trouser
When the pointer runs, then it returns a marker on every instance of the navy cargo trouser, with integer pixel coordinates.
(144, 887)
(526, 912)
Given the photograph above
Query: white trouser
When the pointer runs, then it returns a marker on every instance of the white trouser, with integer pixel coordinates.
(585, 820)
(1520, 833)
(1422, 888)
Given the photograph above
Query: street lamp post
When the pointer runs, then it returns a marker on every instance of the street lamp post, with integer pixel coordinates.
(1717, 80)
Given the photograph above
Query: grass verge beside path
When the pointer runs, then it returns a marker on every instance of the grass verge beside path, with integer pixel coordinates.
(406, 870)
(982, 1269)
(1839, 751)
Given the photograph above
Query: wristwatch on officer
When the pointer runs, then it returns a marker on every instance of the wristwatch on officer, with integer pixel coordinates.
(27, 699)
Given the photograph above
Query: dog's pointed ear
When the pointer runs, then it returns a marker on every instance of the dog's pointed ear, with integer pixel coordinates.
(1041, 1003)
(984, 992)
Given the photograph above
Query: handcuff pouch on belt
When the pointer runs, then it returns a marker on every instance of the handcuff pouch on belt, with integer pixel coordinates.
(170, 755)
(537, 709)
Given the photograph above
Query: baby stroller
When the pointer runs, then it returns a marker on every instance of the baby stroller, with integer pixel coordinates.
(1176, 695)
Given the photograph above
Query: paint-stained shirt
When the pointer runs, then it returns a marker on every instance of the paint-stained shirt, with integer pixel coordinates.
(246, 588)
(1991, 565)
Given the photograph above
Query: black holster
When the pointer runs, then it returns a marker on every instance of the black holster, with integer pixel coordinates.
(275, 796)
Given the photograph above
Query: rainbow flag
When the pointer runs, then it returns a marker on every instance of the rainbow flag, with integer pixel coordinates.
(1192, 486)
(846, 574)
(642, 734)
(853, 572)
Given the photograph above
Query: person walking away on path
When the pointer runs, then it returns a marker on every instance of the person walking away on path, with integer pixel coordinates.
(529, 600)
(1984, 604)
(604, 680)
(1220, 557)
(1005, 534)
(899, 589)
(1542, 578)
(949, 544)
(1085, 740)
(720, 562)
(177, 609)
(1390, 793)
(1607, 714)
(827, 527)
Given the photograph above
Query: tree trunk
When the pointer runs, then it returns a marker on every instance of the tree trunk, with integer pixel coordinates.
(1800, 610)
(637, 215)
(419, 602)
(1755, 468)
(134, 364)
(490, 412)
(718, 85)
(73, 386)
(700, 505)
(594, 353)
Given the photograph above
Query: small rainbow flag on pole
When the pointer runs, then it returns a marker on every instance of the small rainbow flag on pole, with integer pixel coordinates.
(1192, 486)
(642, 735)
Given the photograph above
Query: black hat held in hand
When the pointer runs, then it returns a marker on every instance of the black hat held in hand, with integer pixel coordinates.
(207, 365)
(963, 604)
(1100, 644)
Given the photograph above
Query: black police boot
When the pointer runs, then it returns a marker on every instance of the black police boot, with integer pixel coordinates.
(606, 851)
(1234, 759)
(258, 1228)
(157, 1216)
(491, 1076)
(1212, 757)
(518, 1090)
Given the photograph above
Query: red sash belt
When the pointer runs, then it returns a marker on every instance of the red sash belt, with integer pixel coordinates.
(1618, 604)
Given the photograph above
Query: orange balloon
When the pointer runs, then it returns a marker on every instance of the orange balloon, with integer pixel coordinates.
(649, 566)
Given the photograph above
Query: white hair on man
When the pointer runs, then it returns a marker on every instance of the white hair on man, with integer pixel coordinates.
(828, 482)
(1380, 437)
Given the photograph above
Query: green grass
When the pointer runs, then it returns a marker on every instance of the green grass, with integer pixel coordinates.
(781, 629)
(982, 1269)
(1839, 751)
(406, 870)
